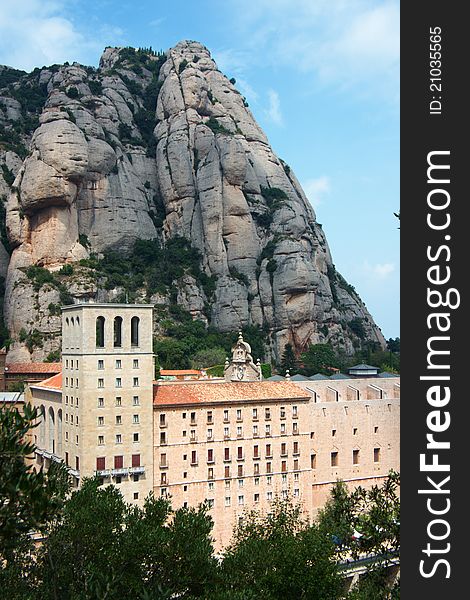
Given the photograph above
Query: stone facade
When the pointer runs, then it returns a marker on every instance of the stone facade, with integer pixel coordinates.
(233, 443)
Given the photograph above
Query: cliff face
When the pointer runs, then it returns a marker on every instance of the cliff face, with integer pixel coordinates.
(150, 146)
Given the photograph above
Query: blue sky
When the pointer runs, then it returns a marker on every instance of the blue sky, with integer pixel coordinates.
(321, 77)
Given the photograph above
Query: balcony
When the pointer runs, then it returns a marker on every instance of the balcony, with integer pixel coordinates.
(119, 472)
(136, 470)
(103, 473)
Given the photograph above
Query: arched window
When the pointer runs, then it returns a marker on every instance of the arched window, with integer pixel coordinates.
(59, 432)
(135, 331)
(51, 430)
(100, 332)
(118, 332)
(42, 428)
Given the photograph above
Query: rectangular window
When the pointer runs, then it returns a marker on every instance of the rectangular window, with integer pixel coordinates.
(101, 463)
(209, 434)
(296, 464)
(240, 471)
(118, 462)
(209, 417)
(295, 428)
(296, 448)
(227, 484)
(256, 451)
(226, 432)
(135, 382)
(255, 414)
(241, 500)
(227, 500)
(162, 420)
(193, 418)
(333, 432)
(135, 363)
(268, 467)
(226, 416)
(376, 455)
(66, 436)
(118, 420)
(210, 455)
(194, 457)
(239, 414)
(101, 440)
(334, 459)
(256, 497)
(136, 460)
(284, 466)
(294, 412)
(101, 364)
(227, 471)
(118, 382)
(162, 438)
(269, 480)
(77, 463)
(210, 473)
(256, 480)
(255, 431)
(268, 450)
(239, 432)
(268, 430)
(240, 453)
(118, 438)
(355, 456)
(101, 383)
(283, 412)
(376, 430)
(283, 429)
(210, 503)
(135, 419)
(118, 401)
(269, 496)
(313, 461)
(100, 402)
(163, 478)
(100, 421)
(67, 459)
(354, 430)
(163, 462)
(135, 400)
(118, 364)
(135, 437)
(283, 449)
(267, 414)
(227, 454)
(256, 469)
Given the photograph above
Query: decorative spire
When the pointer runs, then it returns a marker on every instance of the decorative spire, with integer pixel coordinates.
(287, 375)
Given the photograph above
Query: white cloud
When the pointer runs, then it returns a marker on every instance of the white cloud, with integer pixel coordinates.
(350, 45)
(273, 112)
(315, 189)
(378, 271)
(34, 33)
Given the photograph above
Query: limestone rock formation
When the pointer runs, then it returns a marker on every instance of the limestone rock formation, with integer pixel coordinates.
(158, 146)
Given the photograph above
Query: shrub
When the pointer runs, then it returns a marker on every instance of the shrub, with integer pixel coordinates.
(72, 92)
(96, 87)
(217, 127)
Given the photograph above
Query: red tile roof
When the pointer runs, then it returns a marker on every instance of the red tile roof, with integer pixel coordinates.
(33, 368)
(53, 383)
(165, 394)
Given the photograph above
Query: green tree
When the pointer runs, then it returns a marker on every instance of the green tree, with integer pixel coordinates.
(289, 360)
(278, 556)
(106, 548)
(29, 500)
(208, 357)
(319, 358)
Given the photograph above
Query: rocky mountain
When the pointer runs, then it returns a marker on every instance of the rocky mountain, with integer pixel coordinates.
(159, 147)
